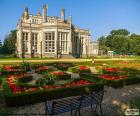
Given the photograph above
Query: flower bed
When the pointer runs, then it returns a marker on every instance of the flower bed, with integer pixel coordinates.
(61, 75)
(54, 83)
(22, 96)
(112, 77)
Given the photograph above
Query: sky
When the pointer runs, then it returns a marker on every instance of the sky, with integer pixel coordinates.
(99, 16)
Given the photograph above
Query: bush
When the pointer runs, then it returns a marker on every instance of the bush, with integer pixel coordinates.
(41, 82)
(25, 65)
(1, 77)
(44, 95)
(121, 82)
(25, 78)
(63, 66)
(73, 69)
(64, 77)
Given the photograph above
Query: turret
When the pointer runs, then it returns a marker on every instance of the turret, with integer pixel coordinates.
(44, 13)
(63, 14)
(26, 14)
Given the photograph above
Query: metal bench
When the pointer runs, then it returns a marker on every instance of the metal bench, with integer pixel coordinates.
(75, 104)
(93, 100)
(62, 105)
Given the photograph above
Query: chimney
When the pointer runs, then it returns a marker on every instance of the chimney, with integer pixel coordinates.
(44, 13)
(63, 14)
(26, 14)
(70, 19)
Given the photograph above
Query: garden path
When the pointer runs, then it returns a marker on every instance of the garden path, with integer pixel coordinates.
(93, 70)
(114, 103)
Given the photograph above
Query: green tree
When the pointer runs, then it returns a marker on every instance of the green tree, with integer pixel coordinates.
(9, 43)
(102, 47)
(120, 32)
(137, 50)
(0, 46)
(135, 43)
(118, 40)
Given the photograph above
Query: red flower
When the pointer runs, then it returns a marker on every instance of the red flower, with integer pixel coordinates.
(57, 73)
(80, 82)
(43, 68)
(111, 77)
(111, 69)
(83, 67)
(7, 67)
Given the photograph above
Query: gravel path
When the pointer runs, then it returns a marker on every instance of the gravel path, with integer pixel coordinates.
(114, 103)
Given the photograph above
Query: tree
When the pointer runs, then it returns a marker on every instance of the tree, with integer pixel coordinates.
(137, 50)
(102, 47)
(120, 32)
(0, 46)
(9, 43)
(118, 40)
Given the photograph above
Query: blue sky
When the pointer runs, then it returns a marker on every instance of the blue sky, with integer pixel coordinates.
(100, 16)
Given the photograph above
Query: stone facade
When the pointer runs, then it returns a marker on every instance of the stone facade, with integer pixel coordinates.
(50, 36)
(94, 48)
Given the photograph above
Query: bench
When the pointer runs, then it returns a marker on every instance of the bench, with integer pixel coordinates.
(76, 103)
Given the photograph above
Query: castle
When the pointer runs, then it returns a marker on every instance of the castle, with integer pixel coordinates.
(51, 36)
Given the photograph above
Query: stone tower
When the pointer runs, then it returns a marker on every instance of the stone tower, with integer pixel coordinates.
(44, 13)
(62, 14)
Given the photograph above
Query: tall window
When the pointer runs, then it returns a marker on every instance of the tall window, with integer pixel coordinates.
(50, 41)
(34, 42)
(62, 40)
(25, 42)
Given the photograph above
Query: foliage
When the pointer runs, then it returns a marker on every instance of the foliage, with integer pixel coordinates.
(0, 46)
(44, 95)
(25, 65)
(41, 81)
(9, 43)
(25, 79)
(120, 42)
(73, 69)
(50, 78)
(1, 77)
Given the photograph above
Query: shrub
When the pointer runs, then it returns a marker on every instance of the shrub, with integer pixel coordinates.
(25, 65)
(41, 82)
(1, 77)
(25, 78)
(73, 69)
(44, 95)
(63, 66)
(120, 82)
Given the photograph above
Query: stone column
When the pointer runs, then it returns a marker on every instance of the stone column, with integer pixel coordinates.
(30, 43)
(56, 40)
(20, 41)
(43, 43)
(39, 44)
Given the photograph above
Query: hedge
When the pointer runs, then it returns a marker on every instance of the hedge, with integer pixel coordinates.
(25, 79)
(44, 95)
(1, 77)
(121, 82)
